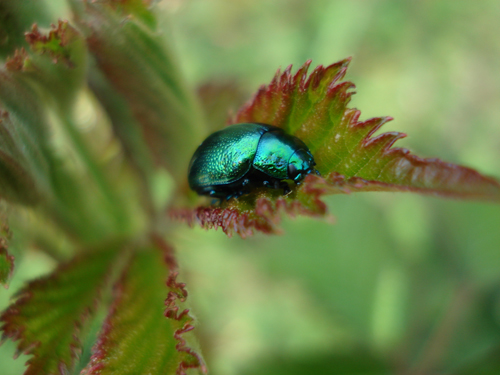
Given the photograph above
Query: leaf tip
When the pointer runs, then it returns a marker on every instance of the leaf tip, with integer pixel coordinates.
(55, 42)
(19, 61)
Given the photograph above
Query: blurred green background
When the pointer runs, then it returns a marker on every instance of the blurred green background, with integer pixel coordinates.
(401, 283)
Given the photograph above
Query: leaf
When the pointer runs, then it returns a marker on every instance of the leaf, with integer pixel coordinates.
(15, 18)
(6, 265)
(136, 337)
(55, 42)
(6, 260)
(38, 92)
(24, 162)
(50, 315)
(138, 64)
(314, 108)
(30, 171)
(58, 62)
(127, 128)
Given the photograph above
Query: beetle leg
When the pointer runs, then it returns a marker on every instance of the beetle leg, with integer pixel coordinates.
(266, 183)
(235, 195)
(285, 187)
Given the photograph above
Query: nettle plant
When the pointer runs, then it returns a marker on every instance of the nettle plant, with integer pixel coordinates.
(97, 128)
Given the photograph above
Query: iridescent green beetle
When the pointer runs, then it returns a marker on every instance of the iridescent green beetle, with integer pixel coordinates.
(234, 160)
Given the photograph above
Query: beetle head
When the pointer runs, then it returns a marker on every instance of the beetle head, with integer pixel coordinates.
(300, 164)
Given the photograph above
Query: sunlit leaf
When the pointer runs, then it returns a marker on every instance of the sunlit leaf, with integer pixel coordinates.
(49, 316)
(348, 155)
(136, 60)
(30, 172)
(139, 336)
(126, 127)
(38, 91)
(314, 108)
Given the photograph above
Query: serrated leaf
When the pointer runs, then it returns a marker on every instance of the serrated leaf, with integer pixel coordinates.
(49, 315)
(138, 336)
(314, 108)
(55, 43)
(59, 61)
(135, 59)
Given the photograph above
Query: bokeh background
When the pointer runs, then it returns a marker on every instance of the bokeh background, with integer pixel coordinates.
(399, 283)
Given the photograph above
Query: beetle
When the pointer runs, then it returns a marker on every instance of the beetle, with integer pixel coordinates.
(233, 161)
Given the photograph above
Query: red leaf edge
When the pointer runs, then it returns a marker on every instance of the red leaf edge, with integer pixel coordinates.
(405, 166)
(177, 293)
(10, 330)
(266, 216)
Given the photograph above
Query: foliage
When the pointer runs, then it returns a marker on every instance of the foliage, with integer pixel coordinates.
(314, 108)
(96, 184)
(6, 260)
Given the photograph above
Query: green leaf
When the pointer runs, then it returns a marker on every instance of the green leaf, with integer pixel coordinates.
(39, 92)
(24, 162)
(6, 260)
(138, 336)
(136, 60)
(31, 173)
(15, 18)
(314, 108)
(348, 155)
(50, 315)
(59, 62)
(6, 266)
(127, 129)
